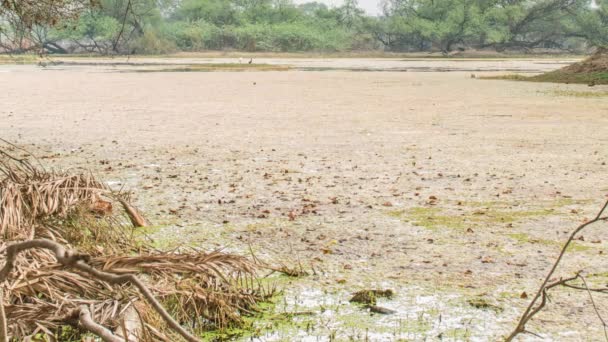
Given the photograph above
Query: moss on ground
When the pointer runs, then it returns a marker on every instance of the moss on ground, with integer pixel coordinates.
(477, 214)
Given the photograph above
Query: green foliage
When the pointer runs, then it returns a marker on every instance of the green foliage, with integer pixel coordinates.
(502, 24)
(151, 43)
(92, 26)
(592, 24)
(160, 26)
(216, 12)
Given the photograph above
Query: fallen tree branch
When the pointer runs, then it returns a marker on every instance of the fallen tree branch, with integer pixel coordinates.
(87, 322)
(79, 262)
(532, 309)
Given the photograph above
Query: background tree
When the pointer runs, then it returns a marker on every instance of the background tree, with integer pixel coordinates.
(591, 23)
(19, 17)
(161, 26)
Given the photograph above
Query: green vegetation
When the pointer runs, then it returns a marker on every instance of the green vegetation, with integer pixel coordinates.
(478, 214)
(509, 77)
(158, 27)
(431, 218)
(484, 304)
(592, 71)
(523, 238)
(17, 59)
(559, 76)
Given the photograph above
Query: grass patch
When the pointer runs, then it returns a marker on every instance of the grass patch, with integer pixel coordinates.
(508, 77)
(523, 238)
(18, 59)
(491, 213)
(577, 247)
(431, 218)
(559, 76)
(264, 320)
(457, 334)
(592, 71)
(484, 304)
(555, 77)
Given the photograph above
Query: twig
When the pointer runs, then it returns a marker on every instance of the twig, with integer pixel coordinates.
(542, 291)
(134, 216)
(79, 262)
(597, 312)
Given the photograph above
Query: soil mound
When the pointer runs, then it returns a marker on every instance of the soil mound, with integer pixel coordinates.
(593, 70)
(596, 63)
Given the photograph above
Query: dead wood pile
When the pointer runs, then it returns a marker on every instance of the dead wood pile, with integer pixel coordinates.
(73, 257)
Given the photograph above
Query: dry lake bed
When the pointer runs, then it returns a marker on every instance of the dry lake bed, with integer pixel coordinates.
(418, 176)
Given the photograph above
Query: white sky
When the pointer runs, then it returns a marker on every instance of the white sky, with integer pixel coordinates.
(370, 6)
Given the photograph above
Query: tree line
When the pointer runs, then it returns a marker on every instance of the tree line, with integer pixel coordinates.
(163, 26)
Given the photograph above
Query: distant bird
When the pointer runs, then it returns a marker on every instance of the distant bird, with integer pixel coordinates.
(251, 61)
(43, 64)
(473, 76)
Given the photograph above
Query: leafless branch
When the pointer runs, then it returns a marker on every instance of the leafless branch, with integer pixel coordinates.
(79, 262)
(85, 319)
(541, 294)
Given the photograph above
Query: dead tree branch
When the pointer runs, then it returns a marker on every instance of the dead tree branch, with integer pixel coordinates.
(541, 294)
(86, 320)
(79, 262)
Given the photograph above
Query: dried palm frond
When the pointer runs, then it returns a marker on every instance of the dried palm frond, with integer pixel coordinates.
(29, 195)
(200, 290)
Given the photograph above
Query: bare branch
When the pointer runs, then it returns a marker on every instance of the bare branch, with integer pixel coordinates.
(85, 319)
(79, 262)
(532, 310)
